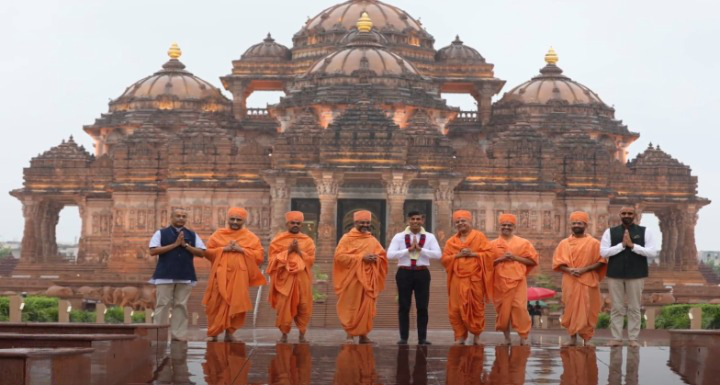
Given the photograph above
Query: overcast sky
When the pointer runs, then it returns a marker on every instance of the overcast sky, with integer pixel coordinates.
(655, 61)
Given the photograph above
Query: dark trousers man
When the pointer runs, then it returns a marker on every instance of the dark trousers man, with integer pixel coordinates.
(411, 279)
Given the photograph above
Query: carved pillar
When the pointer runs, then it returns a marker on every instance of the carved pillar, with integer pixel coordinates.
(444, 194)
(397, 184)
(280, 187)
(688, 250)
(84, 230)
(241, 91)
(327, 184)
(30, 244)
(664, 223)
(49, 215)
(483, 96)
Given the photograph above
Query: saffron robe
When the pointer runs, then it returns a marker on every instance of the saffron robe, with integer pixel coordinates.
(227, 297)
(356, 283)
(469, 281)
(580, 295)
(290, 291)
(510, 284)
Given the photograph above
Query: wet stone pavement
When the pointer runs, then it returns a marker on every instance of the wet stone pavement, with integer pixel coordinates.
(259, 360)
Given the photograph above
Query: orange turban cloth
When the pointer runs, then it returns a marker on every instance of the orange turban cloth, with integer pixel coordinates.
(237, 212)
(507, 218)
(461, 214)
(294, 216)
(579, 216)
(362, 215)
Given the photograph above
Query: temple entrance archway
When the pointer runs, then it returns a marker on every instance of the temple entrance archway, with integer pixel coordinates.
(652, 224)
(68, 232)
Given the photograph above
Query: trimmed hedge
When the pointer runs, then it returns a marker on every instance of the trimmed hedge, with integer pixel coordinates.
(676, 317)
(116, 315)
(4, 309)
(45, 309)
(604, 321)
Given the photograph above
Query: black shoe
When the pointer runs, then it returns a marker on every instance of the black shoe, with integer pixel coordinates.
(402, 342)
(424, 342)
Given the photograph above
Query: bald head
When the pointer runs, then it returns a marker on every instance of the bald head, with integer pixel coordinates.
(178, 217)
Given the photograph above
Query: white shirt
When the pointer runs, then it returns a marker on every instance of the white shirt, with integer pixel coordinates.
(398, 250)
(155, 242)
(650, 250)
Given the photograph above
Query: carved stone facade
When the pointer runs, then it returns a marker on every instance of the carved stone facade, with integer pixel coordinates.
(363, 118)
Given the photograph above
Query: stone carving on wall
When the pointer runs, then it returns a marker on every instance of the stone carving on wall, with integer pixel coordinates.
(221, 213)
(119, 216)
(547, 220)
(101, 223)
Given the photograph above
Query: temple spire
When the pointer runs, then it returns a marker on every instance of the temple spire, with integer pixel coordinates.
(364, 24)
(551, 57)
(174, 52)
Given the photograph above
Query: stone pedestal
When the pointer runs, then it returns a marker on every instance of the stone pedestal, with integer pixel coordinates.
(100, 309)
(16, 305)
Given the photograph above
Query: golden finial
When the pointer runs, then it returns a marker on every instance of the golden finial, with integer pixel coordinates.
(364, 24)
(174, 52)
(551, 57)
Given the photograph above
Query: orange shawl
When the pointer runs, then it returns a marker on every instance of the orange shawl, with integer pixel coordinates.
(518, 246)
(348, 265)
(224, 262)
(283, 267)
(477, 269)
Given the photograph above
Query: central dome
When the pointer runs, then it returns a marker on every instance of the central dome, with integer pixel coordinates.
(346, 14)
(363, 53)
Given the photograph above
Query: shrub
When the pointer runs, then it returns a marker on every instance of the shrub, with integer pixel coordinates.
(40, 309)
(82, 316)
(546, 281)
(318, 296)
(116, 315)
(673, 317)
(4, 309)
(603, 321)
(321, 276)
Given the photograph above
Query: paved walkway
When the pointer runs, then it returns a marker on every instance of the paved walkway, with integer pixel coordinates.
(259, 360)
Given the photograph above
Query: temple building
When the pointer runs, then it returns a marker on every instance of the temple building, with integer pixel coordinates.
(362, 124)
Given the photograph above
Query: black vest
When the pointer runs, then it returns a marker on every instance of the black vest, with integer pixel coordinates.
(627, 264)
(178, 262)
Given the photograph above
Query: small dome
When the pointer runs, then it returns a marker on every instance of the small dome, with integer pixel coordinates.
(363, 53)
(345, 15)
(267, 50)
(171, 88)
(458, 53)
(551, 86)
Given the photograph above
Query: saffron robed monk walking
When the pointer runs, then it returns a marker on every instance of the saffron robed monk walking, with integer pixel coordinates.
(514, 258)
(236, 254)
(359, 270)
(468, 261)
(291, 256)
(578, 258)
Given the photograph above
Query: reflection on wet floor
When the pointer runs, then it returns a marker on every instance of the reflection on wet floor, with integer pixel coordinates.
(238, 363)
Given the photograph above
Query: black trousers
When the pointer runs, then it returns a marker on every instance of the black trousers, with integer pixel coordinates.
(407, 282)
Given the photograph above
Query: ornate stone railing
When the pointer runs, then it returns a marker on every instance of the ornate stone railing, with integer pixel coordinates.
(257, 114)
(467, 116)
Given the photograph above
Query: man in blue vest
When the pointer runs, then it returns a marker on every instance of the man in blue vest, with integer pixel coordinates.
(627, 248)
(174, 274)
